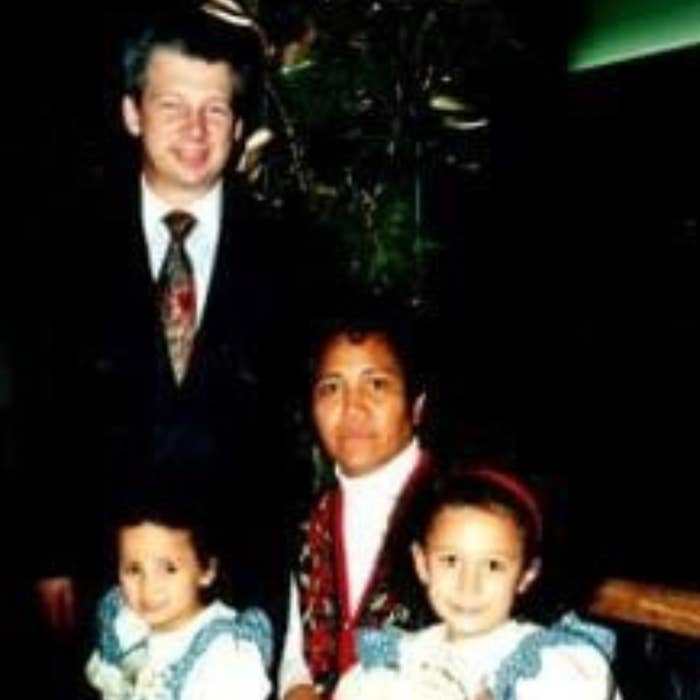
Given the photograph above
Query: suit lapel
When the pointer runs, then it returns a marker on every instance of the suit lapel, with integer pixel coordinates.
(220, 333)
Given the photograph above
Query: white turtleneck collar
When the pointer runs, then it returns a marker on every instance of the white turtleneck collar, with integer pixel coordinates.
(388, 480)
(368, 503)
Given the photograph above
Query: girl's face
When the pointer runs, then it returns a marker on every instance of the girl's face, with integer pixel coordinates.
(471, 564)
(161, 575)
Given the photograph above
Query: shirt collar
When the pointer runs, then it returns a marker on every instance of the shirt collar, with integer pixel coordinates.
(206, 209)
(387, 481)
(503, 635)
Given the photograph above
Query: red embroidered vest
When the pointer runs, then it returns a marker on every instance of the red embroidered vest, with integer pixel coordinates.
(329, 628)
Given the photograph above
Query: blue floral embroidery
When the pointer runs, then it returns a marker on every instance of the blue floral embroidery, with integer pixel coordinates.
(109, 646)
(526, 660)
(107, 612)
(378, 648)
(250, 626)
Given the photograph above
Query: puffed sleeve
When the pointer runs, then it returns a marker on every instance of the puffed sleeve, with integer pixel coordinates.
(121, 648)
(578, 672)
(231, 670)
(571, 656)
(233, 665)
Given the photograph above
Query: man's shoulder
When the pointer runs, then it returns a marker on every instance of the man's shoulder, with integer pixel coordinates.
(97, 205)
(258, 225)
(240, 204)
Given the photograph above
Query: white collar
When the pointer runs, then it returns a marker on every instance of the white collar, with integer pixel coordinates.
(208, 612)
(433, 641)
(386, 481)
(205, 209)
(504, 635)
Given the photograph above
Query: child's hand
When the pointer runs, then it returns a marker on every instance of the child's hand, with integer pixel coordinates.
(302, 692)
(483, 695)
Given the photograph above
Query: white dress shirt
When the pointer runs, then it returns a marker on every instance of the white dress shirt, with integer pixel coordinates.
(368, 503)
(201, 244)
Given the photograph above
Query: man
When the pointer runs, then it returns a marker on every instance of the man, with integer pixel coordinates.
(171, 316)
(366, 404)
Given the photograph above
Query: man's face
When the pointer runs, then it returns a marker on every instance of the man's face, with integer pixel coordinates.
(186, 124)
(359, 403)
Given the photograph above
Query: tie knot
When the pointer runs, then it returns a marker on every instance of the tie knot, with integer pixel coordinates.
(180, 223)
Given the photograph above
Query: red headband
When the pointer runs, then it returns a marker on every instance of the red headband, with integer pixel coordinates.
(515, 488)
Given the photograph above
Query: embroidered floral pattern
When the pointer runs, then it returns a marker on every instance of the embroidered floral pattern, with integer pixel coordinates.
(319, 589)
(319, 602)
(121, 670)
(526, 659)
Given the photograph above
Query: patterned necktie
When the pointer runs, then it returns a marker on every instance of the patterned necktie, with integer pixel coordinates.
(176, 293)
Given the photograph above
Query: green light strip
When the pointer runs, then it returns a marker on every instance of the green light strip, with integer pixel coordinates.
(630, 29)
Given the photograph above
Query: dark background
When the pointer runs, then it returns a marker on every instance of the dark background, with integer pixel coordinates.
(567, 290)
(633, 255)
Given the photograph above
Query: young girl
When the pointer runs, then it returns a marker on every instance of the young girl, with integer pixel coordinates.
(477, 554)
(162, 636)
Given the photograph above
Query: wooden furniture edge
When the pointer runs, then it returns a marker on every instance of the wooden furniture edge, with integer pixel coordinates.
(661, 607)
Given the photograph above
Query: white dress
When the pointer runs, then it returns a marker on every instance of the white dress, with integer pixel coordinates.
(218, 655)
(516, 661)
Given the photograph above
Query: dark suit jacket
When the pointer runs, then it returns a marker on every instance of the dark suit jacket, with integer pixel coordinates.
(109, 411)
